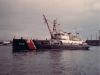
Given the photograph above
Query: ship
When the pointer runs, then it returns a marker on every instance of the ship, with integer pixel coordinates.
(5, 43)
(60, 40)
(93, 42)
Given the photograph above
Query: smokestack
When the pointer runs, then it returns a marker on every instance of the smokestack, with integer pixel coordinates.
(70, 35)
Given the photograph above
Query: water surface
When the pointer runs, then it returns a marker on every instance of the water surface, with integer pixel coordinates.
(49, 62)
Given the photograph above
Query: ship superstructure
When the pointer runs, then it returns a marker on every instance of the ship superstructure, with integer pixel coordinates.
(58, 36)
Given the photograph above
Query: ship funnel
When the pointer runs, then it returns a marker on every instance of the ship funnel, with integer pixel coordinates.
(70, 36)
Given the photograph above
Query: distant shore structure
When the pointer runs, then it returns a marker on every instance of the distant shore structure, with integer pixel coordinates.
(95, 42)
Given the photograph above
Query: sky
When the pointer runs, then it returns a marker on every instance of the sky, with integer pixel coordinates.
(24, 18)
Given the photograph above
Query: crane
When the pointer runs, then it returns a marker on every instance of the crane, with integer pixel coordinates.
(48, 26)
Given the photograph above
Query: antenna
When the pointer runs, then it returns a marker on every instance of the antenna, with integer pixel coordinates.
(91, 36)
(99, 34)
(14, 34)
(56, 19)
(76, 31)
(96, 36)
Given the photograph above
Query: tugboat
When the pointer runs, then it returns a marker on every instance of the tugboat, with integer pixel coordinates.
(59, 40)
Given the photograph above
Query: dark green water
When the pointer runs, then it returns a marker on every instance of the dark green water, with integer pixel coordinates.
(54, 62)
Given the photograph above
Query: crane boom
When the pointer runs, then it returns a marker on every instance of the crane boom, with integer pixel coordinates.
(48, 26)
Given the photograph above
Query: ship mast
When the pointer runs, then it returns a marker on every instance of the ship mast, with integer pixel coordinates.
(48, 26)
(54, 27)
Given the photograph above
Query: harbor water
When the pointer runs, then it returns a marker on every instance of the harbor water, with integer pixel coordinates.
(50, 62)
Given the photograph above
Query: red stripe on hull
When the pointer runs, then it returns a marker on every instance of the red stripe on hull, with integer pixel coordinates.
(30, 44)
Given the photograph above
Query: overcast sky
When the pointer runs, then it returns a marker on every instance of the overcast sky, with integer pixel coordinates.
(25, 17)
